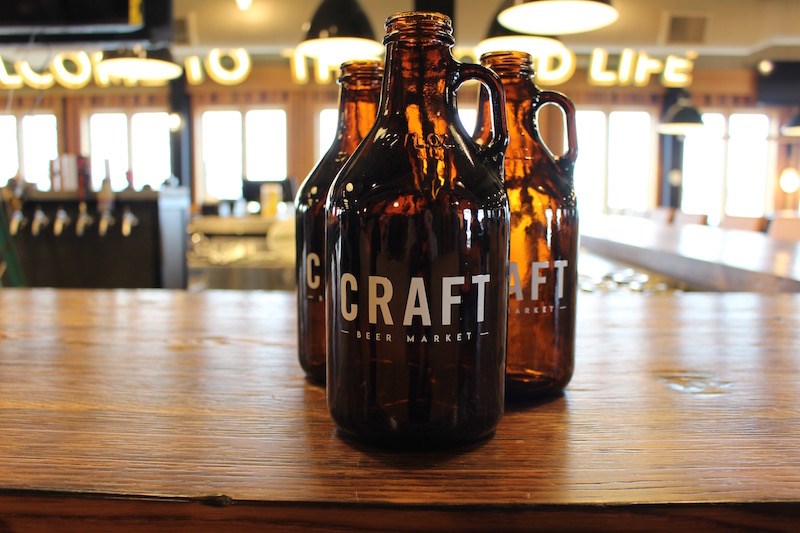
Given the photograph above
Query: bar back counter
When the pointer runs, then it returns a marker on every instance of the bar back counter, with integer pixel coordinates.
(704, 257)
(140, 242)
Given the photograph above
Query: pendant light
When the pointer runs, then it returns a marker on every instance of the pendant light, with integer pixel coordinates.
(139, 66)
(681, 118)
(500, 38)
(340, 31)
(558, 17)
(792, 128)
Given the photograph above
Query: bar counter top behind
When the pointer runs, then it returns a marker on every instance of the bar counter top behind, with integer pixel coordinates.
(164, 409)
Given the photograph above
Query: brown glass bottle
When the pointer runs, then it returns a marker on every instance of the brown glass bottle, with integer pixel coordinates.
(417, 239)
(360, 89)
(544, 234)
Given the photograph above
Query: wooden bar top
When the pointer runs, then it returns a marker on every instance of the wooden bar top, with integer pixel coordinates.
(706, 257)
(166, 410)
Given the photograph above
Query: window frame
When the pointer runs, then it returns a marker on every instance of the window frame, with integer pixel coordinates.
(19, 116)
(773, 146)
(654, 160)
(200, 192)
(128, 111)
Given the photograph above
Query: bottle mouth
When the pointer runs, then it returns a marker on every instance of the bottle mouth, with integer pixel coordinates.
(419, 26)
(508, 63)
(361, 70)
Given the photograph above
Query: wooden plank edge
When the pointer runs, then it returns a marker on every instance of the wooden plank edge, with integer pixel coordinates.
(66, 512)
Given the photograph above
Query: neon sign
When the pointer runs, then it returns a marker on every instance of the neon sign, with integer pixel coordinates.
(75, 70)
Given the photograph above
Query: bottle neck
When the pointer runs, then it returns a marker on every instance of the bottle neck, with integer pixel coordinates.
(416, 78)
(358, 106)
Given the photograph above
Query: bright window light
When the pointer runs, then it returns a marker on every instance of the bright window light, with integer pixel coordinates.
(630, 136)
(150, 149)
(328, 123)
(9, 149)
(222, 154)
(39, 147)
(468, 118)
(748, 164)
(703, 169)
(265, 138)
(108, 140)
(591, 163)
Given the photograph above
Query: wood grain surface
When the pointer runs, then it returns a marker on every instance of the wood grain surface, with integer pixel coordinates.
(163, 409)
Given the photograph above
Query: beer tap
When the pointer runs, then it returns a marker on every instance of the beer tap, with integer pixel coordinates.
(17, 219)
(84, 219)
(61, 221)
(16, 222)
(106, 220)
(40, 221)
(129, 220)
(105, 204)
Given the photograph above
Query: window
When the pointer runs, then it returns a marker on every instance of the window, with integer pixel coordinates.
(615, 170)
(469, 118)
(39, 147)
(37, 137)
(590, 166)
(265, 136)
(328, 122)
(630, 154)
(235, 147)
(151, 159)
(9, 149)
(726, 166)
(704, 169)
(748, 162)
(222, 153)
(120, 141)
(108, 146)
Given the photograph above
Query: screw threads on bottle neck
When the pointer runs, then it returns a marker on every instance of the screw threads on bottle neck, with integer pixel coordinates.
(509, 64)
(361, 74)
(419, 27)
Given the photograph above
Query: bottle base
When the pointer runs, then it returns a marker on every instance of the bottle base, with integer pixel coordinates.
(412, 443)
(446, 431)
(315, 374)
(522, 387)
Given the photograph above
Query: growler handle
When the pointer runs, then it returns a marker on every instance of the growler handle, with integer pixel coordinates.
(567, 160)
(499, 140)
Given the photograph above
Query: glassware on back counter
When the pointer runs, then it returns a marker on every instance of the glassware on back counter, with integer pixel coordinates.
(543, 274)
(360, 85)
(417, 253)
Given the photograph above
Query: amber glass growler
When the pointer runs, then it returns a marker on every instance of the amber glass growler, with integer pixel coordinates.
(543, 272)
(417, 240)
(360, 89)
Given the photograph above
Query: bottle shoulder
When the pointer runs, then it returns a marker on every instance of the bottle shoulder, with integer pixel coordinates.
(393, 161)
(314, 188)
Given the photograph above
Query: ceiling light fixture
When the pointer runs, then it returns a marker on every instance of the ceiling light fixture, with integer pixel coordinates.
(792, 128)
(139, 66)
(339, 31)
(558, 17)
(681, 118)
(244, 5)
(501, 39)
